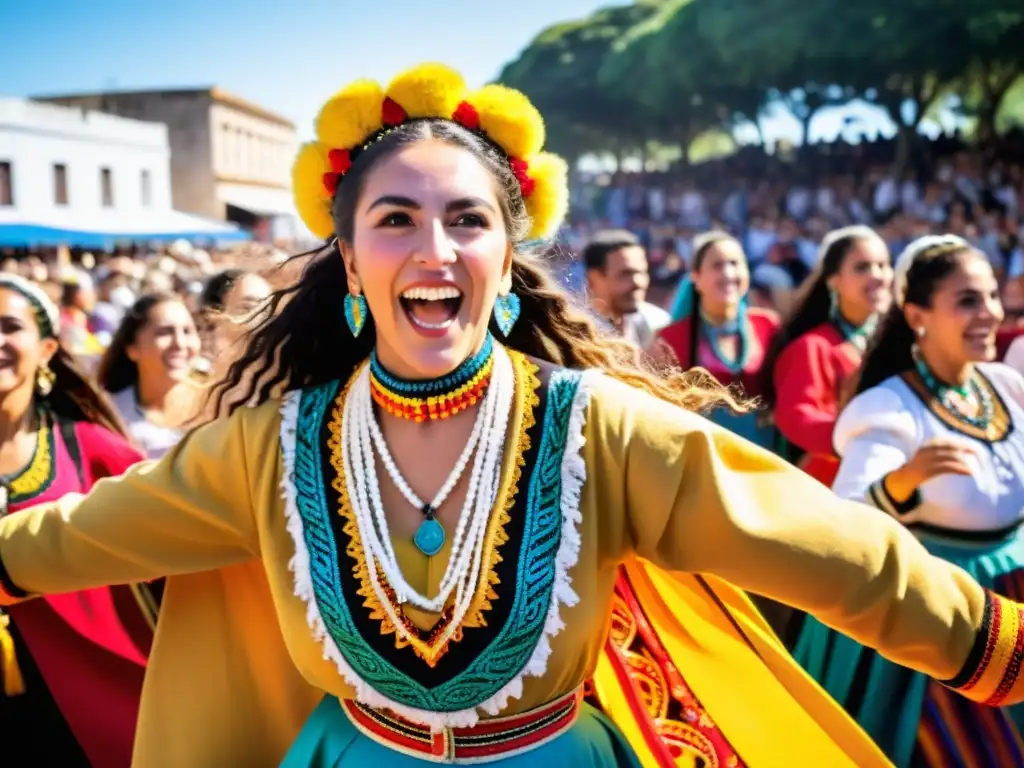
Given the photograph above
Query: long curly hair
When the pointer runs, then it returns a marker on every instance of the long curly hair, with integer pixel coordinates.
(303, 340)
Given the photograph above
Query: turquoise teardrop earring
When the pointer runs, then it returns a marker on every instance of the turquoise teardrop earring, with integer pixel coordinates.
(506, 312)
(356, 312)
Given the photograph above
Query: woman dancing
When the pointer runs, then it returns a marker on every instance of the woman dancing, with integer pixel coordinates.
(455, 618)
(719, 332)
(72, 663)
(820, 344)
(934, 439)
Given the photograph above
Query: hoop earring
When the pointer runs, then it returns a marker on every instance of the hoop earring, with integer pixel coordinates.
(356, 312)
(506, 312)
(45, 378)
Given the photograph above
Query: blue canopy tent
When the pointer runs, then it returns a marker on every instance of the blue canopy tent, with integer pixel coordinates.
(104, 230)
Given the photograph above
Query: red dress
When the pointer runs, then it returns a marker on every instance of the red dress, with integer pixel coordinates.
(81, 656)
(763, 323)
(811, 376)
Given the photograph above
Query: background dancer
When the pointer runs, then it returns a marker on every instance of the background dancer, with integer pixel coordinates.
(72, 663)
(720, 333)
(820, 343)
(148, 369)
(934, 438)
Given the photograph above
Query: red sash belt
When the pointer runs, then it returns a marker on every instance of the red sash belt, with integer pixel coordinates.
(487, 740)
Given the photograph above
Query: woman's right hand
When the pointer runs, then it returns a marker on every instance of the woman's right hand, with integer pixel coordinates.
(941, 456)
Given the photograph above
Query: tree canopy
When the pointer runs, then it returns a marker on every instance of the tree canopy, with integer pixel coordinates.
(667, 70)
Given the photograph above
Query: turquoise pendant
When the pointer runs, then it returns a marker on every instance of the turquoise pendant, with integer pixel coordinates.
(429, 537)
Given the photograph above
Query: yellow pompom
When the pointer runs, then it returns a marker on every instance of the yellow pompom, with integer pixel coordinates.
(351, 115)
(429, 90)
(312, 200)
(549, 201)
(510, 120)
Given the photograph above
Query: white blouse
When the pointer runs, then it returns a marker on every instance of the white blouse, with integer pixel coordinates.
(882, 428)
(153, 439)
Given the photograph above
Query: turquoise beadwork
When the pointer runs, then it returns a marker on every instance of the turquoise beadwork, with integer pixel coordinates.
(429, 537)
(434, 387)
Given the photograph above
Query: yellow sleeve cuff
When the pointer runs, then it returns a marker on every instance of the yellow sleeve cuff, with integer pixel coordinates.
(991, 674)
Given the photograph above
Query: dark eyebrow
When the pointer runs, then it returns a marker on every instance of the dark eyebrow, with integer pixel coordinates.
(462, 204)
(465, 203)
(396, 200)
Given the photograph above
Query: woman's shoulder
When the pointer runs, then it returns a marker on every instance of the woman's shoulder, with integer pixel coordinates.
(889, 407)
(108, 451)
(818, 343)
(1006, 378)
(764, 316)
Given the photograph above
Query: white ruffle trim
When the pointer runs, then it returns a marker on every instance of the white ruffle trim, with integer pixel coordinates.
(574, 472)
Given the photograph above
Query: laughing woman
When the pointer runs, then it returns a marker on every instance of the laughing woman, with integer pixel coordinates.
(467, 466)
(147, 369)
(72, 664)
(819, 347)
(934, 438)
(719, 332)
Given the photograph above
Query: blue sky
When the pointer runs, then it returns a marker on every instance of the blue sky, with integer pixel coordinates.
(286, 56)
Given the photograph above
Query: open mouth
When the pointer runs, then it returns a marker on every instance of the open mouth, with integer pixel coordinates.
(431, 309)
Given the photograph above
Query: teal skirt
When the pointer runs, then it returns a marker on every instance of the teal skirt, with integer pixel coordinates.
(895, 705)
(330, 740)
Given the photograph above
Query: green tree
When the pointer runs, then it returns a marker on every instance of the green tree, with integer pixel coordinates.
(995, 64)
(558, 70)
(681, 80)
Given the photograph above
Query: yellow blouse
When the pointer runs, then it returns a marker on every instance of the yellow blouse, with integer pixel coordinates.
(657, 482)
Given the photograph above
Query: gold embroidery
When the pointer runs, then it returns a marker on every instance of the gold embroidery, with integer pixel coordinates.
(37, 475)
(998, 428)
(431, 650)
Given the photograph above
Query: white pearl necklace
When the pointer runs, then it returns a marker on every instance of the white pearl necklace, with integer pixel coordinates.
(463, 573)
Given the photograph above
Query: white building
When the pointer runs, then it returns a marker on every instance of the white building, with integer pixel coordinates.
(66, 170)
(230, 159)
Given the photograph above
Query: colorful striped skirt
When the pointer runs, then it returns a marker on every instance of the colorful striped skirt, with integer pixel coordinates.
(916, 721)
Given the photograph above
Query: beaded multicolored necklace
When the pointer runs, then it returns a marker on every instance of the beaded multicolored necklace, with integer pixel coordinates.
(421, 401)
(954, 398)
(736, 326)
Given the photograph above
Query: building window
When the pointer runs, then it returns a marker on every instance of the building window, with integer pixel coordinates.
(6, 184)
(106, 188)
(60, 184)
(147, 189)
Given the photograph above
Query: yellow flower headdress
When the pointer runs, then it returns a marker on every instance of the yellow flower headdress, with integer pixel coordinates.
(360, 113)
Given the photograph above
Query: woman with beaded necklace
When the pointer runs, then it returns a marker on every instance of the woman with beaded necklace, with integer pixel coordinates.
(470, 474)
(933, 438)
(719, 332)
(72, 664)
(819, 346)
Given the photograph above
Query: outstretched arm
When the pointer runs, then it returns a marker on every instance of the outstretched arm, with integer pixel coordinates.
(191, 511)
(700, 499)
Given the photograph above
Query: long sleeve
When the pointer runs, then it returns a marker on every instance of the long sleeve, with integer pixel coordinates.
(696, 498)
(875, 435)
(805, 394)
(191, 511)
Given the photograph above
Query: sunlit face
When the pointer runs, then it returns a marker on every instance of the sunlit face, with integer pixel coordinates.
(22, 351)
(430, 254)
(961, 323)
(621, 286)
(166, 346)
(864, 280)
(723, 278)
